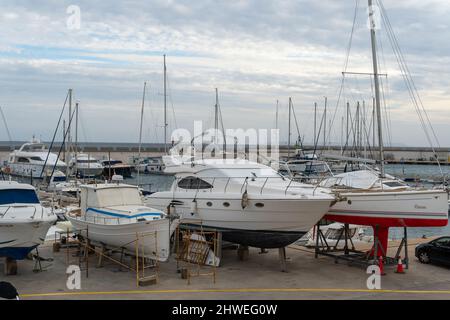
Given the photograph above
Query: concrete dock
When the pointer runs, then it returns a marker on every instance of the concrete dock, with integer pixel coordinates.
(259, 277)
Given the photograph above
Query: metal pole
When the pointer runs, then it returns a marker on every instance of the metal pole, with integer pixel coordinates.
(289, 129)
(374, 123)
(165, 106)
(325, 123)
(276, 117)
(69, 138)
(140, 133)
(64, 135)
(377, 85)
(216, 117)
(315, 122)
(6, 127)
(358, 147)
(76, 139)
(346, 126)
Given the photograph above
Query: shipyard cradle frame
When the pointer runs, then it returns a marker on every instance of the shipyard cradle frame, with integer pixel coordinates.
(79, 247)
(374, 256)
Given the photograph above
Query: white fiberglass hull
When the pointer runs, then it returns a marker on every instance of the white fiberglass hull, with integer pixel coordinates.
(19, 237)
(153, 236)
(266, 221)
(90, 172)
(28, 169)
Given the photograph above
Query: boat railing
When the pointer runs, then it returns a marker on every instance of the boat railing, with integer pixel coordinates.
(224, 184)
(8, 207)
(95, 219)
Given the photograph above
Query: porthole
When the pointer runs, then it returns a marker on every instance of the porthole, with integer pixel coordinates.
(349, 201)
(226, 204)
(259, 205)
(209, 204)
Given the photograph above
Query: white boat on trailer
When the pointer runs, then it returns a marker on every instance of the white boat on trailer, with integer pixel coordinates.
(114, 215)
(24, 222)
(250, 203)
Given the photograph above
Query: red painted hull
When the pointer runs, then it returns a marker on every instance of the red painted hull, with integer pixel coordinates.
(381, 226)
(387, 222)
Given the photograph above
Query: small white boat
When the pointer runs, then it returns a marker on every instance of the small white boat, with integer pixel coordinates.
(24, 222)
(115, 216)
(334, 236)
(85, 166)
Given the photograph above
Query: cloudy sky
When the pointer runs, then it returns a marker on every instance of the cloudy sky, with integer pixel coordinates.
(255, 51)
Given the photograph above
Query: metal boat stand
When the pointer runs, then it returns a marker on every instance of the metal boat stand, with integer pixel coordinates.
(357, 257)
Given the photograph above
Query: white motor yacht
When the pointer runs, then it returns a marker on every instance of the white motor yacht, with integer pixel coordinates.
(249, 202)
(85, 166)
(29, 161)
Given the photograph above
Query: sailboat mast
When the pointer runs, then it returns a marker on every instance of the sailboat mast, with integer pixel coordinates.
(377, 85)
(216, 117)
(289, 129)
(325, 123)
(347, 133)
(6, 127)
(165, 105)
(315, 123)
(69, 138)
(276, 117)
(140, 131)
(76, 138)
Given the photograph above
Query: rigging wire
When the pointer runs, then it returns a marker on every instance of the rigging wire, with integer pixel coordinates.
(411, 87)
(171, 102)
(54, 135)
(350, 41)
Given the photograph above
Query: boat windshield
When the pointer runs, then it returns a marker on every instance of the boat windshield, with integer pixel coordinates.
(86, 161)
(10, 196)
(34, 147)
(118, 197)
(246, 172)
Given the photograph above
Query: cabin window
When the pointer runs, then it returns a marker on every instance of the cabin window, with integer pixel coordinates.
(193, 183)
(393, 184)
(259, 205)
(226, 204)
(23, 160)
(36, 158)
(10, 196)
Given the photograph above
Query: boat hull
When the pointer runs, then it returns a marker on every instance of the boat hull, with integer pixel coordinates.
(255, 238)
(89, 172)
(392, 209)
(153, 236)
(264, 222)
(18, 238)
(31, 170)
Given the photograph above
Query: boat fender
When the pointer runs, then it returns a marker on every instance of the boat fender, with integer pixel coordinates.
(244, 200)
(193, 207)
